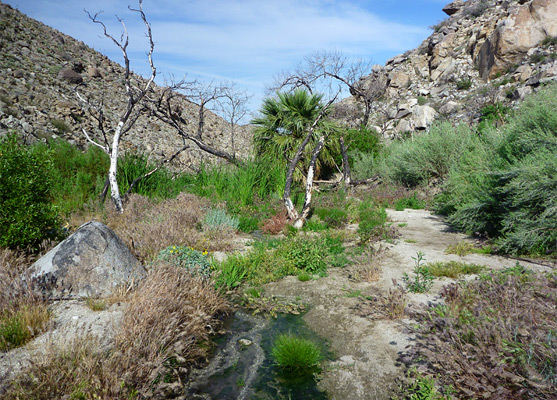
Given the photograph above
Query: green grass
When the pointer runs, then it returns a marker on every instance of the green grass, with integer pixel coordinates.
(411, 202)
(453, 269)
(296, 354)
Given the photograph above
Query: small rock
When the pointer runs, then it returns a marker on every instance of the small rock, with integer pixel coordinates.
(245, 342)
(70, 75)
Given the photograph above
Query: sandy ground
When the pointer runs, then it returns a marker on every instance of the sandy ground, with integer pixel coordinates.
(368, 347)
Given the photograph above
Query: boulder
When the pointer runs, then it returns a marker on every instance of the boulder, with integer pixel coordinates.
(526, 26)
(70, 75)
(91, 262)
(399, 80)
(94, 72)
(423, 117)
(452, 8)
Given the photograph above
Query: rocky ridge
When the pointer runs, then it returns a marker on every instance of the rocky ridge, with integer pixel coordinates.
(486, 52)
(40, 70)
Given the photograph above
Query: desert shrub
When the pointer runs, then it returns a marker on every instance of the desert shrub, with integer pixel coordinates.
(28, 216)
(428, 157)
(549, 41)
(464, 84)
(495, 336)
(296, 354)
(506, 189)
(274, 224)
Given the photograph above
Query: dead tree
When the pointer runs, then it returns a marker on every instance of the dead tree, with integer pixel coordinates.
(169, 103)
(136, 89)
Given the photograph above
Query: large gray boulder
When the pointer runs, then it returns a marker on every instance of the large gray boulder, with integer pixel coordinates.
(91, 262)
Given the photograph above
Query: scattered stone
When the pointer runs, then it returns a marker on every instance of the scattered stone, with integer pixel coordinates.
(423, 117)
(245, 342)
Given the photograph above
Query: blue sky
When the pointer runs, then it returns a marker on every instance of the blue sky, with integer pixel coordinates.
(245, 41)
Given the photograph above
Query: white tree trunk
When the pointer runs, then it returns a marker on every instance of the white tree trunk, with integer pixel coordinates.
(114, 190)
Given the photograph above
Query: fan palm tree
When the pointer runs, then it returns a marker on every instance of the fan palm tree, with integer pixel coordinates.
(283, 125)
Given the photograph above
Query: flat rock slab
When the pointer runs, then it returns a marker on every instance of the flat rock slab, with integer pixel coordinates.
(92, 262)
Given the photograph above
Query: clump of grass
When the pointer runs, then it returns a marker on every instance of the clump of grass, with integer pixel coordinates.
(464, 84)
(304, 277)
(372, 222)
(23, 312)
(453, 269)
(461, 248)
(168, 315)
(229, 274)
(95, 304)
(394, 303)
(296, 354)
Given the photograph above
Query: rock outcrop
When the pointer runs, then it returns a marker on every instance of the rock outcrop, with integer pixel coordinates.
(92, 262)
(39, 70)
(486, 52)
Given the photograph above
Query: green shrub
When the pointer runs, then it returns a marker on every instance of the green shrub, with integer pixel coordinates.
(230, 274)
(507, 187)
(306, 253)
(333, 217)
(296, 354)
(304, 277)
(194, 261)
(423, 279)
(428, 157)
(247, 224)
(27, 216)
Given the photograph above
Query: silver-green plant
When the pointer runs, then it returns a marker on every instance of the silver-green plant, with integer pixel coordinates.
(217, 219)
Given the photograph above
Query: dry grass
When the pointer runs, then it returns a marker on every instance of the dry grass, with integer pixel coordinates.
(148, 226)
(395, 302)
(168, 316)
(23, 313)
(370, 273)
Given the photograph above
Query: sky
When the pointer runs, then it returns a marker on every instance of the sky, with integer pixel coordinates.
(247, 42)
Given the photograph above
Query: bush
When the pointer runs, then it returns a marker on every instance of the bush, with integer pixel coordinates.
(28, 216)
(464, 84)
(507, 187)
(428, 157)
(296, 354)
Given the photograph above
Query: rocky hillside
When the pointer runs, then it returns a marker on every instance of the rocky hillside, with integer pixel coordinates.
(486, 52)
(40, 70)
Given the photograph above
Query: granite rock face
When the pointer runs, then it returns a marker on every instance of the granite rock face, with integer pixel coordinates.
(92, 262)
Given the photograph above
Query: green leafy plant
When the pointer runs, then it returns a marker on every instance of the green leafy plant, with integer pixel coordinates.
(195, 261)
(248, 224)
(423, 280)
(229, 274)
(28, 216)
(296, 354)
(421, 387)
